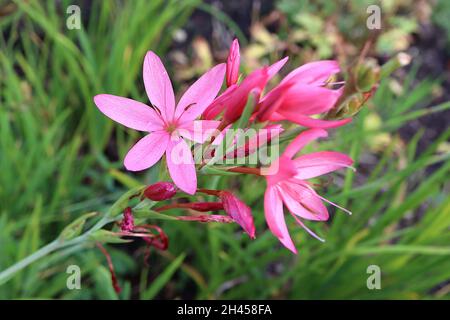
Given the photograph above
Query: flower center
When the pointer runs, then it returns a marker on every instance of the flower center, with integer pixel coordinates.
(171, 127)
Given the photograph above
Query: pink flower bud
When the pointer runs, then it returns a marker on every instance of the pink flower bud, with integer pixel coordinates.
(233, 62)
(239, 211)
(127, 224)
(160, 191)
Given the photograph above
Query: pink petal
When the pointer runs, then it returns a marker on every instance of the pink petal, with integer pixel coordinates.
(318, 163)
(313, 123)
(158, 86)
(239, 211)
(198, 130)
(254, 142)
(233, 63)
(147, 151)
(236, 103)
(307, 100)
(263, 137)
(130, 113)
(274, 68)
(276, 117)
(273, 210)
(181, 165)
(271, 102)
(200, 94)
(281, 169)
(302, 201)
(316, 73)
(218, 105)
(302, 140)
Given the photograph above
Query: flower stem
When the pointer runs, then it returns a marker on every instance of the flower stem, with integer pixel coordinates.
(197, 206)
(51, 247)
(45, 250)
(246, 170)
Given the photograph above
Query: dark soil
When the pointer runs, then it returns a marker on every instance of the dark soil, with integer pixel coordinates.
(432, 49)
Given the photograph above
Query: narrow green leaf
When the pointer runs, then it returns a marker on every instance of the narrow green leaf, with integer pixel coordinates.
(163, 278)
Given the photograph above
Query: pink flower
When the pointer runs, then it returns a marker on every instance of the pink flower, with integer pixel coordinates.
(286, 183)
(233, 62)
(233, 100)
(166, 123)
(302, 94)
(239, 211)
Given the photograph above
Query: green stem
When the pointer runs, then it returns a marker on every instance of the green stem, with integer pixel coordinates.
(49, 248)
(110, 216)
(53, 246)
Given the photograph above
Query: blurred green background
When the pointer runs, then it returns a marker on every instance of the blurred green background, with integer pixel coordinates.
(59, 157)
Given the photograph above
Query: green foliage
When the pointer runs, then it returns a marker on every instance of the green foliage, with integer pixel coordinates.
(311, 21)
(52, 138)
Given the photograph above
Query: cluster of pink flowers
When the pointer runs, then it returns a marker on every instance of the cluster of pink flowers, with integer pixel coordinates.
(303, 93)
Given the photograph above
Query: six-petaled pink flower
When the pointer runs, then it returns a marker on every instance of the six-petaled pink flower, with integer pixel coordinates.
(233, 100)
(167, 123)
(302, 93)
(286, 183)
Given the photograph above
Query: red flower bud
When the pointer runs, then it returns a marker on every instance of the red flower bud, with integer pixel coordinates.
(160, 191)
(127, 224)
(239, 211)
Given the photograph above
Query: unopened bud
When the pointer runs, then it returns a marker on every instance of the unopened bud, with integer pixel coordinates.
(127, 224)
(367, 75)
(160, 191)
(239, 211)
(351, 105)
(233, 62)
